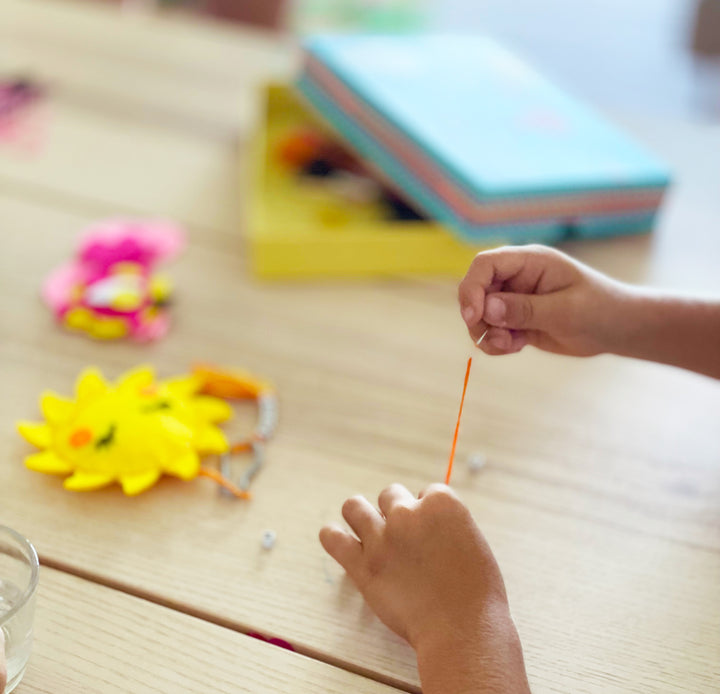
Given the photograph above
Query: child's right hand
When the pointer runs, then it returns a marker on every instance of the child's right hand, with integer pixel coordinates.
(539, 296)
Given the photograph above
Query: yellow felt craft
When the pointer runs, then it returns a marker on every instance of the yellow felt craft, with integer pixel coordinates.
(131, 432)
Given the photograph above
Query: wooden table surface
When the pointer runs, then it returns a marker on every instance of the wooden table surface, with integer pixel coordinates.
(89, 638)
(601, 496)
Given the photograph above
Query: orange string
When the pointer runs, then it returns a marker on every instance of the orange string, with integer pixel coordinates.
(241, 447)
(457, 426)
(227, 484)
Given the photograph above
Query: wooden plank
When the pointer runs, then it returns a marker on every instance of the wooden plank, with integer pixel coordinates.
(198, 74)
(137, 124)
(100, 164)
(93, 639)
(599, 496)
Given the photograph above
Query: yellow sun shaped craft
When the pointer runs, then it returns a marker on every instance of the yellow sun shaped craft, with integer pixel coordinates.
(130, 432)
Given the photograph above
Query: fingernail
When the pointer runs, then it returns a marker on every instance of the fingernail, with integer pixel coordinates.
(468, 313)
(494, 311)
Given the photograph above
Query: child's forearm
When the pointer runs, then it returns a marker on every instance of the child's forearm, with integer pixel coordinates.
(677, 331)
(484, 660)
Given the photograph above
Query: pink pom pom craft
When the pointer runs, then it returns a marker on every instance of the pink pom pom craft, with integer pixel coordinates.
(111, 289)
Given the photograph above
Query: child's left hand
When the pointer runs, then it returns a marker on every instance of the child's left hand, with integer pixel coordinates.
(426, 570)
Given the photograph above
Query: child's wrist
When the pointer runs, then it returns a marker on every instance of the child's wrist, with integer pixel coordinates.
(617, 314)
(667, 329)
(482, 655)
(635, 317)
(439, 629)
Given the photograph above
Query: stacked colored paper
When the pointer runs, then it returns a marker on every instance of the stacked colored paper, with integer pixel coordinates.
(480, 141)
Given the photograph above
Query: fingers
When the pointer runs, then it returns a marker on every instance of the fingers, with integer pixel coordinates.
(342, 547)
(503, 341)
(487, 269)
(365, 522)
(436, 488)
(362, 517)
(521, 270)
(522, 311)
(393, 496)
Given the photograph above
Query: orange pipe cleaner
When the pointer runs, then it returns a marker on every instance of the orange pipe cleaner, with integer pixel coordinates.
(457, 426)
(462, 402)
(215, 476)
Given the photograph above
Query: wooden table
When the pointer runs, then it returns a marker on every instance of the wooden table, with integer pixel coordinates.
(89, 638)
(601, 497)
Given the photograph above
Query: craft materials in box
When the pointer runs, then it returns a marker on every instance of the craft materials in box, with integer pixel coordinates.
(480, 141)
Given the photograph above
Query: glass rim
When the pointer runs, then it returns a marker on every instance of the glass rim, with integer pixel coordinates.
(34, 572)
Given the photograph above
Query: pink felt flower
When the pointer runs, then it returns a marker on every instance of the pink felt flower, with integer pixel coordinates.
(110, 289)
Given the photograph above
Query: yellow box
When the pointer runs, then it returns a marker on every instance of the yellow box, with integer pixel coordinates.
(298, 228)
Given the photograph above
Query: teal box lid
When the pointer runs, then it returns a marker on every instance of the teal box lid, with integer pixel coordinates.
(549, 229)
(489, 124)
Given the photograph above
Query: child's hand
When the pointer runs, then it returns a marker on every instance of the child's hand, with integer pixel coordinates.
(538, 296)
(424, 567)
(421, 564)
(532, 295)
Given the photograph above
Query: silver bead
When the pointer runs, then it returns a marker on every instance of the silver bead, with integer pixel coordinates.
(268, 539)
(476, 461)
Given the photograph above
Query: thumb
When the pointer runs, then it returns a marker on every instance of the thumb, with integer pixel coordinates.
(520, 311)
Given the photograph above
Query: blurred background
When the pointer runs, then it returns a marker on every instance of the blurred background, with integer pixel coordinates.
(661, 56)
(137, 78)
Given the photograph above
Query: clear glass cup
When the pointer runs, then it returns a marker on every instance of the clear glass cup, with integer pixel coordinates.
(18, 584)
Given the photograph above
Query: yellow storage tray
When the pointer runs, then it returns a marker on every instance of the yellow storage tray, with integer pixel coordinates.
(298, 228)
